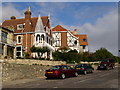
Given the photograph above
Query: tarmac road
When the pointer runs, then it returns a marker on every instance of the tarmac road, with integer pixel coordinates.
(97, 79)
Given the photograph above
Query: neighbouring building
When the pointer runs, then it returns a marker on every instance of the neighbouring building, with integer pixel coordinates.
(7, 43)
(31, 31)
(71, 40)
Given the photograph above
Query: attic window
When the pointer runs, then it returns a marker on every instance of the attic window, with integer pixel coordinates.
(84, 40)
(20, 26)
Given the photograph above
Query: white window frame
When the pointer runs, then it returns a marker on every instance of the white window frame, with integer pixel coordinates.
(19, 51)
(17, 39)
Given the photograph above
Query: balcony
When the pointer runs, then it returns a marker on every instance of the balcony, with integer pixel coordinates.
(44, 44)
(7, 41)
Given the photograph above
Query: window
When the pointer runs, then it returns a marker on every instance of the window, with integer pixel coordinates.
(19, 51)
(42, 37)
(20, 26)
(55, 67)
(47, 39)
(64, 67)
(4, 37)
(75, 42)
(84, 40)
(19, 39)
(38, 37)
(83, 47)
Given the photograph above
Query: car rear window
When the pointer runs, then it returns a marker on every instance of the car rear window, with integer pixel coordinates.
(55, 67)
(77, 66)
(105, 60)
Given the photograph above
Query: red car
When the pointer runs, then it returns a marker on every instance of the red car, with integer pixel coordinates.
(61, 71)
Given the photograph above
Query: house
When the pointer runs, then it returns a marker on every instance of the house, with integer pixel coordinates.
(71, 40)
(7, 43)
(31, 31)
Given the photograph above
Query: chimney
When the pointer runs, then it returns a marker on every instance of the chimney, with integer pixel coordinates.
(75, 32)
(28, 13)
(12, 17)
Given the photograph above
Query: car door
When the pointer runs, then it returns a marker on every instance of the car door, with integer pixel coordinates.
(70, 71)
(89, 68)
(65, 70)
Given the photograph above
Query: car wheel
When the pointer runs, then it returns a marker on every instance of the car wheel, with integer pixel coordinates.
(85, 72)
(76, 74)
(63, 76)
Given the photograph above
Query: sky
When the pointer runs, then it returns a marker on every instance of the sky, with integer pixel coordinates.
(99, 20)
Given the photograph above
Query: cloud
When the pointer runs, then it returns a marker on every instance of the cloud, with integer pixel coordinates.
(104, 33)
(9, 10)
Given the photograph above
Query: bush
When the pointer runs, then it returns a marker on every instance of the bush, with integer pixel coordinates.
(26, 55)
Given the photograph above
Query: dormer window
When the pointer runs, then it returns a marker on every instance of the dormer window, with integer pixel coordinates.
(84, 40)
(20, 26)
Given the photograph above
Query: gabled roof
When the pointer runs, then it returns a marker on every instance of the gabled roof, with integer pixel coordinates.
(22, 21)
(81, 37)
(59, 28)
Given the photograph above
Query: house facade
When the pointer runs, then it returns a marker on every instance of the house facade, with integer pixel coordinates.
(31, 31)
(7, 43)
(71, 40)
(36, 31)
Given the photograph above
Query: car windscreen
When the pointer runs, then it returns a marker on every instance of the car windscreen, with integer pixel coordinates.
(55, 67)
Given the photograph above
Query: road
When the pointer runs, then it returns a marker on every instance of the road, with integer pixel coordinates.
(98, 79)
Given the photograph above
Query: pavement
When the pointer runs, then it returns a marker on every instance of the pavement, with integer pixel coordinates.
(98, 79)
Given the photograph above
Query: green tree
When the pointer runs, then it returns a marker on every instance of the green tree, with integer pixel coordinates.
(39, 50)
(103, 53)
(26, 55)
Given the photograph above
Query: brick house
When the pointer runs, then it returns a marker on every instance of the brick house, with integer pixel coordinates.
(71, 40)
(31, 31)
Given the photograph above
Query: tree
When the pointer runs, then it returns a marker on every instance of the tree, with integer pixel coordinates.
(103, 53)
(39, 50)
(33, 49)
(64, 49)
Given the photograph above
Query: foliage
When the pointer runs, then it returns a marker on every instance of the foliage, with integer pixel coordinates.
(39, 50)
(103, 53)
(73, 56)
(64, 49)
(33, 49)
(26, 55)
(69, 57)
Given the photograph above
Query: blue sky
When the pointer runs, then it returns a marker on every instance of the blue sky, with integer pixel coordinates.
(96, 19)
(75, 13)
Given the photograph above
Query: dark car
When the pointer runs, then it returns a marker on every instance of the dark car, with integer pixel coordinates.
(107, 64)
(61, 71)
(84, 68)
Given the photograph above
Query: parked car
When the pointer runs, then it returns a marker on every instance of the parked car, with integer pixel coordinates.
(107, 64)
(84, 68)
(61, 71)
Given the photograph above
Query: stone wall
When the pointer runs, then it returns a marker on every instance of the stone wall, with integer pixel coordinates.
(31, 62)
(22, 71)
